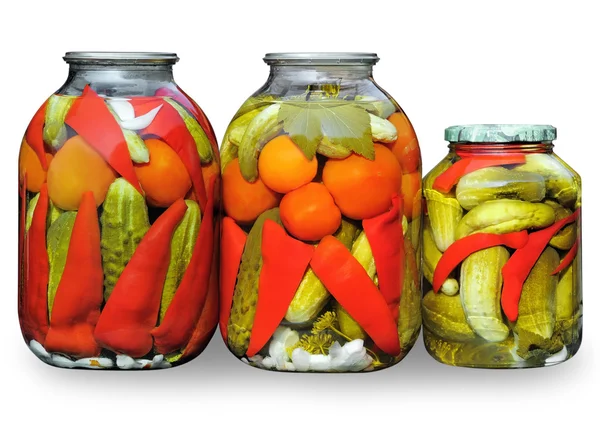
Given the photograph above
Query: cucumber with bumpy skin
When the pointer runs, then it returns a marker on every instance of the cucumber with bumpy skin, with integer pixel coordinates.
(124, 222)
(59, 236)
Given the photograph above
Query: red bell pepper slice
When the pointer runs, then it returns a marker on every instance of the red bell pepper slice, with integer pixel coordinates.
(22, 257)
(518, 266)
(132, 309)
(462, 248)
(568, 258)
(188, 103)
(37, 270)
(91, 119)
(385, 236)
(285, 261)
(446, 181)
(177, 327)
(76, 307)
(348, 282)
(233, 240)
(34, 134)
(170, 127)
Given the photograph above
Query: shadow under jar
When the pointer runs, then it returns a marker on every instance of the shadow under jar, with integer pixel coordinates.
(322, 205)
(118, 190)
(501, 250)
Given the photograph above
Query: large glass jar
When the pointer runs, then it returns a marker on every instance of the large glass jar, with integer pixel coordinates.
(322, 199)
(118, 191)
(501, 250)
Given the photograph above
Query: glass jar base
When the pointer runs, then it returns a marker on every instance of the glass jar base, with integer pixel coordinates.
(480, 354)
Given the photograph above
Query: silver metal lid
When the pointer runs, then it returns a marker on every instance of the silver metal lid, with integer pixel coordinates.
(500, 133)
(121, 58)
(321, 58)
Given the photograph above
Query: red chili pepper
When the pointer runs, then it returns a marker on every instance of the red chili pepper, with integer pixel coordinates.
(446, 181)
(170, 127)
(132, 309)
(285, 261)
(462, 248)
(348, 282)
(34, 134)
(209, 318)
(91, 119)
(568, 258)
(233, 240)
(177, 327)
(385, 236)
(79, 295)
(518, 266)
(35, 312)
(188, 103)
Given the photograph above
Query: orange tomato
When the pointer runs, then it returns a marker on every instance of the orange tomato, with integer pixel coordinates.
(75, 169)
(411, 191)
(208, 171)
(362, 188)
(244, 201)
(309, 212)
(164, 178)
(406, 147)
(282, 166)
(30, 163)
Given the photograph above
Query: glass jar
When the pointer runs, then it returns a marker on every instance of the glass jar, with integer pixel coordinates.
(501, 257)
(117, 182)
(322, 198)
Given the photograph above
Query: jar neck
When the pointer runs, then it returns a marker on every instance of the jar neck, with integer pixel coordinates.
(118, 80)
(484, 149)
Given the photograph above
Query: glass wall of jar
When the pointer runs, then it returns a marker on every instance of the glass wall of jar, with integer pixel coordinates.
(501, 250)
(118, 191)
(322, 204)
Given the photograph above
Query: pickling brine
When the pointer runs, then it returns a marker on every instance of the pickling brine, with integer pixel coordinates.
(501, 250)
(118, 203)
(320, 235)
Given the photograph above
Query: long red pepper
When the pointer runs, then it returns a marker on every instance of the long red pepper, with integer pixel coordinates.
(34, 134)
(170, 127)
(568, 258)
(233, 240)
(348, 282)
(285, 261)
(446, 181)
(132, 309)
(177, 327)
(385, 236)
(209, 318)
(76, 307)
(518, 266)
(35, 313)
(91, 119)
(187, 102)
(462, 248)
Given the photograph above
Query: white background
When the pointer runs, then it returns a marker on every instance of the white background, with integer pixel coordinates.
(446, 62)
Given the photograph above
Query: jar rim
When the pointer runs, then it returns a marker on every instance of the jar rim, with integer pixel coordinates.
(121, 58)
(321, 58)
(500, 133)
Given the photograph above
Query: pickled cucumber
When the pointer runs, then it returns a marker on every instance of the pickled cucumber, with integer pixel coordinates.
(445, 316)
(59, 235)
(492, 183)
(245, 295)
(537, 308)
(409, 310)
(505, 216)
(565, 238)
(53, 212)
(124, 222)
(182, 246)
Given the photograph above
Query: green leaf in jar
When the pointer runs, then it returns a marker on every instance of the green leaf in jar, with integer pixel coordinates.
(342, 122)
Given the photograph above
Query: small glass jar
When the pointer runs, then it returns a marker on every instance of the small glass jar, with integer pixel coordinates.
(118, 180)
(501, 250)
(322, 200)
